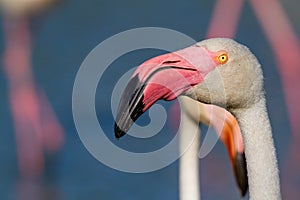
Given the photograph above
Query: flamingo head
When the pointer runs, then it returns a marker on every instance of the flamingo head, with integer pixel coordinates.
(216, 71)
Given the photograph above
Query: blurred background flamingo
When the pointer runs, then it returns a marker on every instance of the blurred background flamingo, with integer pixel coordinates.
(270, 28)
(36, 128)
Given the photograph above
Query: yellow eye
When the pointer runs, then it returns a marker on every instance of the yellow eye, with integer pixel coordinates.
(222, 58)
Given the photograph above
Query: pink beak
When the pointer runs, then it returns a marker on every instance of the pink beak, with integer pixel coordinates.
(163, 77)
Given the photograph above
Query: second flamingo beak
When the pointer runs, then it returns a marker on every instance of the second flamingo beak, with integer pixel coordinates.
(228, 130)
(163, 77)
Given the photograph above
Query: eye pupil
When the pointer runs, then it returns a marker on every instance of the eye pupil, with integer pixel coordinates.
(222, 58)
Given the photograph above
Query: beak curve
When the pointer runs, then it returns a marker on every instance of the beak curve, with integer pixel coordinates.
(231, 136)
(163, 77)
(131, 106)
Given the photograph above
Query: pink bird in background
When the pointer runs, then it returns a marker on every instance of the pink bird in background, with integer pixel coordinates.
(37, 130)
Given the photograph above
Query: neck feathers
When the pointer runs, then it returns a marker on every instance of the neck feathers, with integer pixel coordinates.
(260, 151)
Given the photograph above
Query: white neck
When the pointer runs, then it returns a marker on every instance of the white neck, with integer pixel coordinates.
(260, 153)
(189, 187)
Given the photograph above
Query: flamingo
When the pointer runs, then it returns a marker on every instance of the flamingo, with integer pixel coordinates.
(36, 127)
(217, 71)
(35, 123)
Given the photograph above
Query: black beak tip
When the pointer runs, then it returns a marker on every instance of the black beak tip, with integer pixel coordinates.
(240, 170)
(130, 107)
(118, 132)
